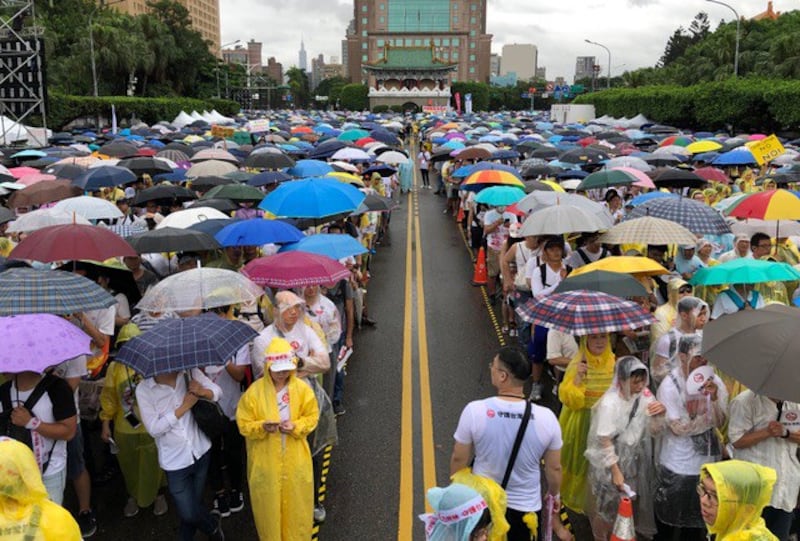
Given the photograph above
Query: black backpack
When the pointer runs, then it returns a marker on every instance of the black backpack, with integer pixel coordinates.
(20, 433)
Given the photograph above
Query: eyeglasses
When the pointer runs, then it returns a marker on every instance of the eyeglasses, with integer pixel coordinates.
(703, 491)
(763, 245)
(685, 289)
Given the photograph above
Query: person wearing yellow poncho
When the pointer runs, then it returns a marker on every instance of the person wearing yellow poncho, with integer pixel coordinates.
(732, 495)
(137, 456)
(275, 415)
(588, 377)
(25, 511)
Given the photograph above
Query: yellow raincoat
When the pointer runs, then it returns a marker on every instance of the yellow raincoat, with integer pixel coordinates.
(575, 418)
(25, 511)
(666, 313)
(279, 470)
(743, 490)
(495, 498)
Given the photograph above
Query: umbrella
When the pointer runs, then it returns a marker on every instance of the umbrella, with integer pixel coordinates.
(212, 227)
(35, 342)
(257, 233)
(333, 246)
(45, 192)
(34, 291)
(770, 205)
(499, 196)
(210, 168)
(491, 177)
(6, 215)
(119, 276)
(584, 156)
(202, 288)
(145, 165)
(71, 242)
(309, 168)
(382, 169)
(613, 283)
(584, 312)
(268, 177)
(91, 208)
(217, 154)
(351, 154)
(268, 160)
(170, 239)
(182, 344)
(624, 264)
(693, 215)
(225, 206)
(648, 230)
(374, 203)
(744, 271)
(210, 181)
(645, 197)
(106, 176)
(235, 192)
(40, 218)
(295, 269)
(605, 178)
(705, 145)
(184, 218)
(392, 157)
(672, 177)
(769, 335)
(163, 192)
(312, 198)
(737, 156)
(539, 200)
(773, 228)
(119, 149)
(471, 153)
(712, 174)
(561, 219)
(30, 180)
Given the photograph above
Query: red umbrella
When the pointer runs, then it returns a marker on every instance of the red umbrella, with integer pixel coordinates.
(294, 269)
(71, 242)
(713, 174)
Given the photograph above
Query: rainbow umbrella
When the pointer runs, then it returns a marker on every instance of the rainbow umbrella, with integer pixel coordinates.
(770, 205)
(677, 140)
(491, 177)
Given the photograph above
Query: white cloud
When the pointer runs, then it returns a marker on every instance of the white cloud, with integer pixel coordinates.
(635, 31)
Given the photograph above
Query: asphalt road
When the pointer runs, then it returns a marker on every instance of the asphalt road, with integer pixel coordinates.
(406, 385)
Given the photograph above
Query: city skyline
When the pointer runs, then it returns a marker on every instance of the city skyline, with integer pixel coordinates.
(636, 31)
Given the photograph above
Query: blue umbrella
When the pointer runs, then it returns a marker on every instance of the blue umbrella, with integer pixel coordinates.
(499, 195)
(257, 232)
(645, 197)
(312, 198)
(309, 168)
(182, 344)
(106, 176)
(29, 153)
(737, 156)
(268, 177)
(213, 226)
(333, 246)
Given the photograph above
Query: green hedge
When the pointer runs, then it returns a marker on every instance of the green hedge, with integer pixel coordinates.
(763, 105)
(63, 109)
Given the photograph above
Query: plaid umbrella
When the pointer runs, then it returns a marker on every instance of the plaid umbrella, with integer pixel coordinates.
(693, 215)
(648, 230)
(182, 344)
(32, 291)
(583, 312)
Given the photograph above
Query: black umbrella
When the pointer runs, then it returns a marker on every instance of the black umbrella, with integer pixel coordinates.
(375, 203)
(583, 156)
(6, 215)
(672, 177)
(545, 153)
(613, 283)
(535, 185)
(65, 170)
(662, 160)
(326, 149)
(167, 193)
(171, 239)
(222, 205)
(213, 226)
(119, 149)
(268, 177)
(120, 278)
(385, 137)
(441, 154)
(268, 160)
(208, 182)
(145, 165)
(181, 147)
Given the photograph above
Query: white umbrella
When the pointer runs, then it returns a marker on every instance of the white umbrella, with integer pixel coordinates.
(102, 163)
(348, 153)
(211, 168)
(38, 219)
(561, 219)
(629, 161)
(750, 226)
(538, 200)
(188, 217)
(214, 154)
(200, 288)
(91, 208)
(392, 157)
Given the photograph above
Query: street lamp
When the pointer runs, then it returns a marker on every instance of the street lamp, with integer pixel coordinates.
(608, 80)
(736, 54)
(91, 42)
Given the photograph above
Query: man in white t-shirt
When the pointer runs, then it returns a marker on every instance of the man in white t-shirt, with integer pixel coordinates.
(488, 429)
(496, 225)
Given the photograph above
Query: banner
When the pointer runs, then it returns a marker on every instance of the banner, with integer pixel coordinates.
(260, 125)
(435, 109)
(468, 104)
(113, 119)
(222, 131)
(458, 102)
(766, 150)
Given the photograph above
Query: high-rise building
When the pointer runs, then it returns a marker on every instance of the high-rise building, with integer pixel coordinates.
(204, 15)
(302, 59)
(254, 54)
(274, 70)
(519, 58)
(541, 72)
(454, 30)
(495, 62)
(584, 67)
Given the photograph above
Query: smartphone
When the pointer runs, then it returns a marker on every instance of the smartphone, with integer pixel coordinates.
(133, 420)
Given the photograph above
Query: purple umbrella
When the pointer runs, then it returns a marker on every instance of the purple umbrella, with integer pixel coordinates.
(34, 342)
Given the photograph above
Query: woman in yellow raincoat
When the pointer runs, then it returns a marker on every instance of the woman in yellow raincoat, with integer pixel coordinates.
(732, 496)
(137, 456)
(588, 377)
(25, 511)
(275, 416)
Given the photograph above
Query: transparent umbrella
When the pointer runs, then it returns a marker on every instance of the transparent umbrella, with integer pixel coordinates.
(197, 289)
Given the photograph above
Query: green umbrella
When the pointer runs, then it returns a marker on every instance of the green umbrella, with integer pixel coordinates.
(606, 178)
(499, 196)
(235, 192)
(744, 271)
(613, 283)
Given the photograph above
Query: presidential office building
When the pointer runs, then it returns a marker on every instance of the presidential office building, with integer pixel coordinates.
(454, 31)
(204, 15)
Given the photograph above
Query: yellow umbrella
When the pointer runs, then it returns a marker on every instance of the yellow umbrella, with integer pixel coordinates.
(704, 145)
(347, 178)
(638, 265)
(555, 185)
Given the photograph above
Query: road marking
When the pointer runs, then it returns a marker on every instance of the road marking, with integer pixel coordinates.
(498, 331)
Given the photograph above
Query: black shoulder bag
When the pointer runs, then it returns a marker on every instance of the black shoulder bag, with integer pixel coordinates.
(208, 415)
(20, 433)
(526, 417)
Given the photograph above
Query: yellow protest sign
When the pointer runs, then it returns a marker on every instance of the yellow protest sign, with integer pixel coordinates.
(222, 131)
(766, 149)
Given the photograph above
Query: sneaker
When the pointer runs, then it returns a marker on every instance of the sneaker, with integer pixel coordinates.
(536, 391)
(338, 408)
(218, 534)
(160, 506)
(235, 501)
(221, 506)
(513, 331)
(319, 513)
(131, 508)
(87, 523)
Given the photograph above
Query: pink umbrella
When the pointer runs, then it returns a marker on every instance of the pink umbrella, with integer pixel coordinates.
(295, 269)
(713, 174)
(19, 172)
(642, 180)
(756, 137)
(33, 178)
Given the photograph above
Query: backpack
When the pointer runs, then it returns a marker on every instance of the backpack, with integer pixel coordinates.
(543, 271)
(20, 433)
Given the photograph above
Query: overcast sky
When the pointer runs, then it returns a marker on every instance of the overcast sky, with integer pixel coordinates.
(635, 31)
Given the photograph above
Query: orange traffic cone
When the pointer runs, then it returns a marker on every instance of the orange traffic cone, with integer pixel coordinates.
(460, 217)
(623, 526)
(479, 277)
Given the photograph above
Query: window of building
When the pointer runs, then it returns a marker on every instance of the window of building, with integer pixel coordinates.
(446, 42)
(381, 19)
(417, 43)
(456, 42)
(471, 44)
(472, 58)
(446, 54)
(473, 20)
(409, 42)
(363, 33)
(380, 43)
(364, 8)
(472, 33)
(381, 7)
(363, 20)
(472, 69)
(364, 58)
(455, 55)
(365, 45)
(473, 7)
(437, 42)
(455, 19)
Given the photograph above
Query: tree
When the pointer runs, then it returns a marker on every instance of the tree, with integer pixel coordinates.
(353, 97)
(299, 86)
(332, 88)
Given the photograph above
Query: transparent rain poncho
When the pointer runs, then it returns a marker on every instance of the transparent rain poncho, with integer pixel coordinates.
(457, 510)
(620, 433)
(659, 367)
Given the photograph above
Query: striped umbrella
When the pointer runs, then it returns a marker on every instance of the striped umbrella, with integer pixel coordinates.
(490, 177)
(770, 205)
(33, 291)
(693, 215)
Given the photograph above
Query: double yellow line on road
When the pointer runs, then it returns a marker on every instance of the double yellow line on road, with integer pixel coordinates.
(414, 283)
